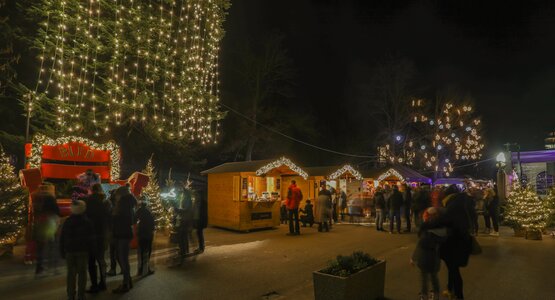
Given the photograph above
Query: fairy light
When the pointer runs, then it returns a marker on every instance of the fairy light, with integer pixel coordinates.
(389, 173)
(346, 169)
(282, 162)
(13, 199)
(526, 209)
(450, 136)
(39, 140)
(111, 62)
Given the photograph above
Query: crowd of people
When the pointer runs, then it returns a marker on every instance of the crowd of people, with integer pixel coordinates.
(101, 223)
(446, 219)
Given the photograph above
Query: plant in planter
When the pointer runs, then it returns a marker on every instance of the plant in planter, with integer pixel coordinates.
(357, 276)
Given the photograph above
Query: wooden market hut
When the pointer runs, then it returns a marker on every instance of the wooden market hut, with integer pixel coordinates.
(247, 195)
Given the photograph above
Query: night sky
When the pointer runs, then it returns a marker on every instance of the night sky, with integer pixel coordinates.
(502, 54)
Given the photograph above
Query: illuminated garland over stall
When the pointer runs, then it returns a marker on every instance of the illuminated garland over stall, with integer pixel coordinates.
(282, 162)
(106, 63)
(39, 140)
(345, 169)
(391, 172)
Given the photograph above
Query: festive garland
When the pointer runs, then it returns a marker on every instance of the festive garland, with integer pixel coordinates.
(343, 170)
(39, 140)
(391, 172)
(280, 162)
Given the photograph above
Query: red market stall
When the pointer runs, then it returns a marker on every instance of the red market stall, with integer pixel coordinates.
(60, 161)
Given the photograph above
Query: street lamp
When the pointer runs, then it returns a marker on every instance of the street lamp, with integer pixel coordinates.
(501, 176)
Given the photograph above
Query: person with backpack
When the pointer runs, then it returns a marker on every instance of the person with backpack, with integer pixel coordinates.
(294, 197)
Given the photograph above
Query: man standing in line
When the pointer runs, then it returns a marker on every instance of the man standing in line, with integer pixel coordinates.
(395, 202)
(294, 197)
(123, 218)
(407, 204)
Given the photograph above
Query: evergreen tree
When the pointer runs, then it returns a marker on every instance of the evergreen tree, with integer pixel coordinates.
(152, 193)
(549, 203)
(13, 200)
(525, 209)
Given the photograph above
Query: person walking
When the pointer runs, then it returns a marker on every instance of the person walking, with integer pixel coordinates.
(145, 235)
(455, 251)
(98, 213)
(46, 217)
(123, 218)
(342, 203)
(111, 241)
(379, 204)
(294, 197)
(184, 222)
(323, 209)
(76, 242)
(426, 254)
(395, 203)
(407, 204)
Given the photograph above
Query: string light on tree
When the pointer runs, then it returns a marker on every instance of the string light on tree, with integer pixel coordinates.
(438, 138)
(525, 209)
(106, 63)
(13, 200)
(161, 215)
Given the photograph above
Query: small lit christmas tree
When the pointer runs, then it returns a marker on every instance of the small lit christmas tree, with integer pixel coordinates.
(549, 203)
(526, 210)
(152, 192)
(13, 200)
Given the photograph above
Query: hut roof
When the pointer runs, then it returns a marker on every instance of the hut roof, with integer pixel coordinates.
(240, 166)
(407, 174)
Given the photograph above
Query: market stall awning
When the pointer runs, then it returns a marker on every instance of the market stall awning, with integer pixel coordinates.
(533, 156)
(402, 173)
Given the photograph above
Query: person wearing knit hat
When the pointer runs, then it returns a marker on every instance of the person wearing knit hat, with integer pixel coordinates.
(76, 241)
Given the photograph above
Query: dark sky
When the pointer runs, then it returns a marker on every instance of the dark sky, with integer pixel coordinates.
(501, 53)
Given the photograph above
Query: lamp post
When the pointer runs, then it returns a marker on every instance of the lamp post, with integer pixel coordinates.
(501, 176)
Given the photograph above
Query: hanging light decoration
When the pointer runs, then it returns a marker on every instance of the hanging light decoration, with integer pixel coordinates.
(282, 162)
(346, 169)
(106, 63)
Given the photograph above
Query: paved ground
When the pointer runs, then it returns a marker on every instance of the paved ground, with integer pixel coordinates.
(270, 265)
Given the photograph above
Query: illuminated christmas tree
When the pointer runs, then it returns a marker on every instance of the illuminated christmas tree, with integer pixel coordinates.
(13, 200)
(549, 203)
(440, 135)
(526, 210)
(152, 193)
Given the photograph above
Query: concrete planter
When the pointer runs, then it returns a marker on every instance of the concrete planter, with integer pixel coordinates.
(367, 284)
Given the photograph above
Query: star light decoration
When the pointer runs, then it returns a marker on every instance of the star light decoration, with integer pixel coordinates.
(389, 173)
(282, 162)
(439, 140)
(345, 169)
(106, 63)
(39, 140)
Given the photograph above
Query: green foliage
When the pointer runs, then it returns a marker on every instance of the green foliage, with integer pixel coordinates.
(524, 209)
(161, 215)
(549, 203)
(345, 266)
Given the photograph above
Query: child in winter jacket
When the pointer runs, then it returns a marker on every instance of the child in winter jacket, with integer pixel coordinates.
(426, 254)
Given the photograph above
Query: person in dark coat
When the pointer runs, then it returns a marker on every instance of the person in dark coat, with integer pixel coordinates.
(455, 251)
(145, 235)
(395, 203)
(407, 204)
(323, 209)
(184, 222)
(379, 204)
(342, 203)
(426, 254)
(111, 240)
(421, 201)
(123, 218)
(308, 214)
(76, 240)
(46, 215)
(200, 217)
(98, 213)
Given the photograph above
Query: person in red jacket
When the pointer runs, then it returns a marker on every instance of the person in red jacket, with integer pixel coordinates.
(294, 197)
